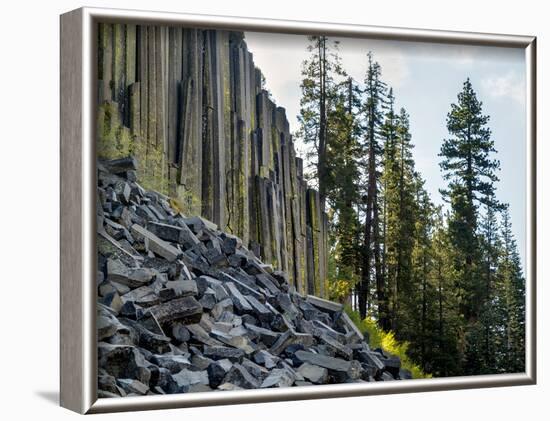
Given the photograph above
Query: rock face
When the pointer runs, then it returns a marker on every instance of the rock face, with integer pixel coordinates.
(227, 152)
(178, 312)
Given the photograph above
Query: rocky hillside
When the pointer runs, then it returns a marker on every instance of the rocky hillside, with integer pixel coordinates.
(184, 307)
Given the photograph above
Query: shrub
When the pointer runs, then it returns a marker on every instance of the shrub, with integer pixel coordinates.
(378, 338)
(340, 290)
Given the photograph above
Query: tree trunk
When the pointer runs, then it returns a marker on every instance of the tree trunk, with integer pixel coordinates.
(440, 298)
(368, 245)
(424, 309)
(321, 159)
(383, 319)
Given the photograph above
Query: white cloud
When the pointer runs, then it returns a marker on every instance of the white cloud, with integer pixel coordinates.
(510, 85)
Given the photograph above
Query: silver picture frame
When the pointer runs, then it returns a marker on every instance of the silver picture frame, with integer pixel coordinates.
(78, 385)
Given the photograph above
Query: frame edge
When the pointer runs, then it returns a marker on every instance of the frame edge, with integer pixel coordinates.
(145, 403)
(531, 258)
(72, 316)
(255, 24)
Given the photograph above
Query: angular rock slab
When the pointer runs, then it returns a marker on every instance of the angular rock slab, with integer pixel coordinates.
(123, 361)
(239, 376)
(156, 245)
(278, 378)
(330, 363)
(185, 309)
(313, 373)
(325, 305)
(133, 278)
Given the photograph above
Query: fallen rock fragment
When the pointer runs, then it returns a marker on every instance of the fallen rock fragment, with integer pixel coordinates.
(239, 376)
(155, 244)
(186, 309)
(313, 373)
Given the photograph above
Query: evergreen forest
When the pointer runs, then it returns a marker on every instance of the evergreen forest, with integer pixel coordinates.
(445, 279)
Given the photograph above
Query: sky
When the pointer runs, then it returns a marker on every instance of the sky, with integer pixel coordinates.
(426, 79)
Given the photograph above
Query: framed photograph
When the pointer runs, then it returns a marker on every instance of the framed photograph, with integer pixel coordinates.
(259, 210)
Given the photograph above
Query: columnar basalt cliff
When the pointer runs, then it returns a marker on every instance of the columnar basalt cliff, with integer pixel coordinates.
(191, 101)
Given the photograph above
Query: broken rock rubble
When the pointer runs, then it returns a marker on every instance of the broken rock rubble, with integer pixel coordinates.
(185, 307)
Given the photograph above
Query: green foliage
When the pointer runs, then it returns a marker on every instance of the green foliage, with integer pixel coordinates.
(322, 72)
(510, 302)
(487, 301)
(340, 289)
(379, 338)
(471, 171)
(442, 311)
(467, 160)
(372, 270)
(401, 212)
(329, 126)
(343, 195)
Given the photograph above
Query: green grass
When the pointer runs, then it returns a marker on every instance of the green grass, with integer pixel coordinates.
(387, 341)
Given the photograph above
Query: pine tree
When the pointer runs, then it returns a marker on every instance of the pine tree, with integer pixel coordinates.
(399, 208)
(321, 74)
(373, 111)
(471, 172)
(418, 294)
(342, 187)
(447, 326)
(388, 133)
(511, 298)
(489, 319)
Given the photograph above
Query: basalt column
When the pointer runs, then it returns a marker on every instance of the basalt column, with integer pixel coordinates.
(190, 104)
